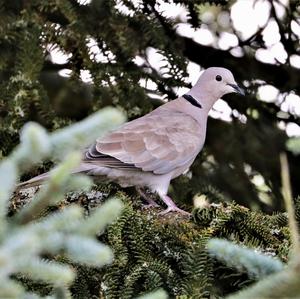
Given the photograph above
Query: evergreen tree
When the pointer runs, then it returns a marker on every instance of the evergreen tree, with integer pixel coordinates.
(113, 42)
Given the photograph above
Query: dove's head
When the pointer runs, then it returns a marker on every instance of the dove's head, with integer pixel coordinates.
(213, 84)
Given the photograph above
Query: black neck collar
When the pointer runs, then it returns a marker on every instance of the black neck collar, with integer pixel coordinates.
(192, 100)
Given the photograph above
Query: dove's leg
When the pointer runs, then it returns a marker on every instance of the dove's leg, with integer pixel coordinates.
(171, 206)
(150, 202)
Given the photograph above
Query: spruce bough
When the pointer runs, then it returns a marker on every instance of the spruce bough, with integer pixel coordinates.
(26, 236)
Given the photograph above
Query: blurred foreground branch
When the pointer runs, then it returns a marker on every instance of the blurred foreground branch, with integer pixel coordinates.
(23, 241)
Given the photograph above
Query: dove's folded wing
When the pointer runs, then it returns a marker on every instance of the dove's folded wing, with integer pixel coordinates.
(158, 142)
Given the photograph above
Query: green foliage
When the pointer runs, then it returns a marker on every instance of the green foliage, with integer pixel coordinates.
(171, 252)
(198, 270)
(113, 45)
(244, 225)
(244, 259)
(26, 237)
(284, 284)
(280, 282)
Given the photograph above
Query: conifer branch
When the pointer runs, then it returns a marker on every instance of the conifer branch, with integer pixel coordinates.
(284, 284)
(254, 263)
(23, 239)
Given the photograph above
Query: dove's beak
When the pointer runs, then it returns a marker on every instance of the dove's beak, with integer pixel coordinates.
(237, 89)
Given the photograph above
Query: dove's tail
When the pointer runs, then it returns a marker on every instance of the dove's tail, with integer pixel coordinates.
(36, 181)
(40, 179)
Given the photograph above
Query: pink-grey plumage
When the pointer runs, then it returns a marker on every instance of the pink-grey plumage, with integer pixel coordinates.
(158, 147)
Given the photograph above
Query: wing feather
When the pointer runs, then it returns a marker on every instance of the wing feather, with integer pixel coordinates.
(157, 142)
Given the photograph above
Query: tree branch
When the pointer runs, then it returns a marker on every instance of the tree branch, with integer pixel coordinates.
(285, 78)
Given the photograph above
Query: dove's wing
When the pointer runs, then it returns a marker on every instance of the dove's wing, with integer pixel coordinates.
(159, 142)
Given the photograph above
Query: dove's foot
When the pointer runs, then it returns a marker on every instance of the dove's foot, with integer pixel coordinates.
(150, 202)
(172, 207)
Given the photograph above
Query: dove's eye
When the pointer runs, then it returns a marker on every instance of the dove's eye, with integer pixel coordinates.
(218, 78)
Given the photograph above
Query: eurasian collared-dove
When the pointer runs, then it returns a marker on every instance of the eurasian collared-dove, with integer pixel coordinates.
(154, 149)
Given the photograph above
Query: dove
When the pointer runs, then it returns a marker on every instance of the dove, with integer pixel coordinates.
(152, 150)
